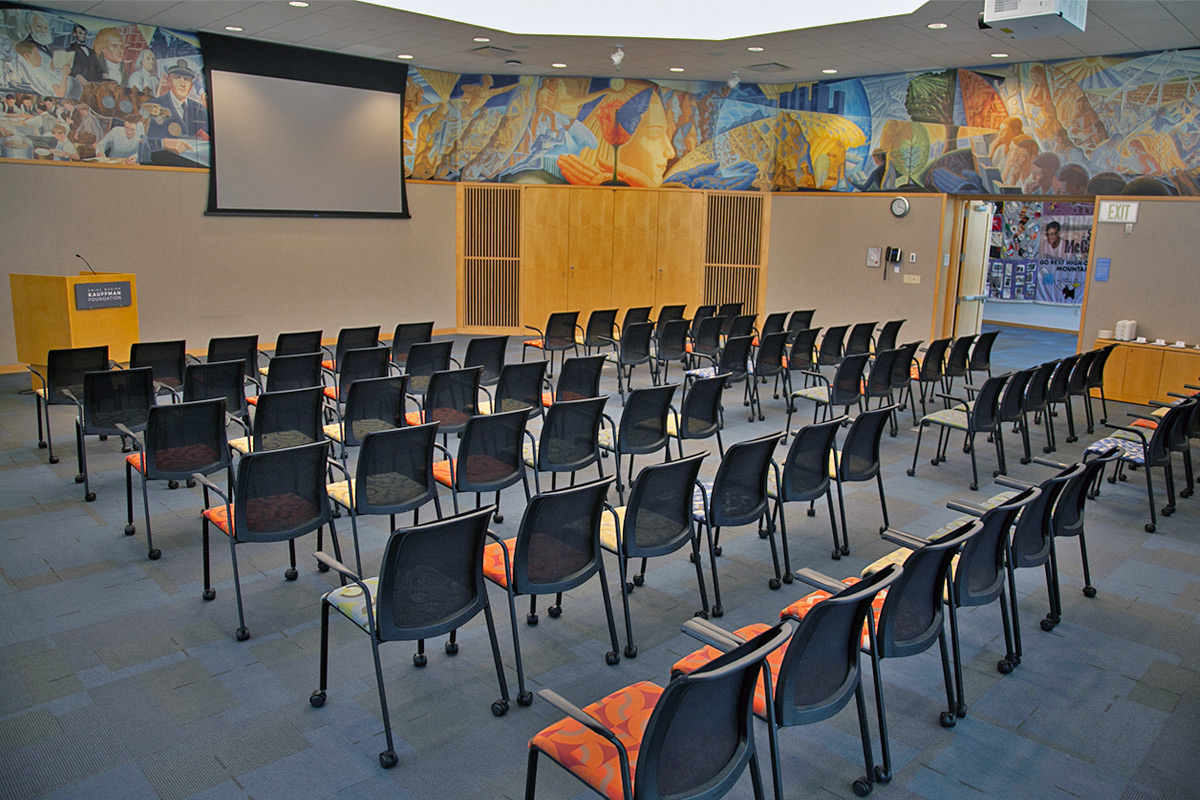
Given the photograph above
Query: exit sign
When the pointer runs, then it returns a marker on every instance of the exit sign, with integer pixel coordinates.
(1118, 211)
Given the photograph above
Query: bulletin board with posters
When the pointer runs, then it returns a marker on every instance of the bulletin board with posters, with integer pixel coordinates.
(1038, 252)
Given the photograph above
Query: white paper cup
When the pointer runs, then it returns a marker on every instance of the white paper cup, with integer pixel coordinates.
(1104, 334)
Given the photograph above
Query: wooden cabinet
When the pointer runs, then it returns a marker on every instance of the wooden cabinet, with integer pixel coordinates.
(1139, 373)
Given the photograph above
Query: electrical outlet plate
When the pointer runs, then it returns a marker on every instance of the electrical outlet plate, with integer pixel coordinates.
(912, 278)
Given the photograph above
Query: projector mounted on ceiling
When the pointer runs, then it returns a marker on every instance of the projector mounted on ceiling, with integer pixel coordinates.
(1029, 19)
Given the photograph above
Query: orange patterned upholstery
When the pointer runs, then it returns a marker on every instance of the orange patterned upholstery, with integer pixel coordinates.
(493, 562)
(443, 472)
(331, 392)
(802, 606)
(697, 659)
(535, 343)
(593, 759)
(547, 399)
(252, 400)
(177, 459)
(1144, 423)
(327, 364)
(414, 418)
(273, 513)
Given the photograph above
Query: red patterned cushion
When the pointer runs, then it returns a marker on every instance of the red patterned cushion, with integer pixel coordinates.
(592, 758)
(697, 659)
(267, 514)
(493, 561)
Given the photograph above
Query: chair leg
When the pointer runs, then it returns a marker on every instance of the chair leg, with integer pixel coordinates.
(623, 568)
(954, 702)
(81, 456)
(354, 535)
(916, 452)
(242, 633)
(531, 774)
(613, 656)
(387, 759)
(884, 773)
(958, 702)
(974, 469)
(1071, 437)
(1028, 457)
(704, 607)
(500, 707)
(524, 698)
(756, 777)
(842, 514)
(717, 610)
(864, 732)
(783, 540)
(882, 505)
(151, 551)
(129, 529)
(837, 549)
(1150, 493)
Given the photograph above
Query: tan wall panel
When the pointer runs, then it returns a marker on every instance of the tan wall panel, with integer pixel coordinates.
(589, 281)
(545, 214)
(680, 249)
(635, 248)
(201, 276)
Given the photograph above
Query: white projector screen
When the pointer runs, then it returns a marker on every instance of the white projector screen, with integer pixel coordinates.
(292, 146)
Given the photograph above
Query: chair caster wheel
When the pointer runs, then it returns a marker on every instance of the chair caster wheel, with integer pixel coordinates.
(787, 578)
(1185, 493)
(629, 587)
(638, 580)
(1047, 625)
(692, 557)
(700, 614)
(631, 651)
(882, 775)
(836, 554)
(53, 459)
(1047, 449)
(498, 517)
(1004, 666)
(79, 478)
(763, 533)
(1124, 477)
(1072, 439)
(1150, 528)
(1168, 511)
(451, 648)
(717, 549)
(1089, 591)
(746, 403)
(531, 619)
(974, 487)
(154, 554)
(910, 472)
(612, 658)
(242, 634)
(387, 759)
(420, 659)
(717, 611)
(90, 497)
(291, 574)
(104, 438)
(1025, 460)
(209, 594)
(41, 445)
(761, 418)
(774, 584)
(191, 483)
(812, 512)
(172, 484)
(316, 699)
(525, 698)
(129, 529)
(947, 719)
(499, 708)
(935, 461)
(554, 611)
(862, 787)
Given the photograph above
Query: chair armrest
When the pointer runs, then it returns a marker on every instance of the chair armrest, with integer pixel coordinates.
(1135, 415)
(115, 365)
(903, 539)
(819, 580)
(338, 466)
(490, 398)
(194, 359)
(1136, 431)
(446, 452)
(126, 432)
(71, 395)
(538, 331)
(231, 418)
(1045, 462)
(1013, 483)
(967, 508)
(610, 340)
(961, 400)
(204, 480)
(588, 721)
(342, 569)
(456, 361)
(712, 635)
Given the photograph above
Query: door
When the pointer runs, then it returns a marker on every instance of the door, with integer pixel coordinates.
(977, 230)
(544, 263)
(589, 271)
(634, 248)
(680, 249)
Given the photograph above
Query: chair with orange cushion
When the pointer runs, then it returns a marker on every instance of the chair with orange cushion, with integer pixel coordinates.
(372, 404)
(579, 378)
(556, 549)
(350, 339)
(818, 670)
(279, 495)
(522, 385)
(300, 371)
(451, 399)
(490, 458)
(354, 365)
(181, 439)
(430, 583)
(558, 337)
(689, 740)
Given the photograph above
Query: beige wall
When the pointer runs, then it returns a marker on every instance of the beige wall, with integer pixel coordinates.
(1153, 277)
(204, 276)
(819, 253)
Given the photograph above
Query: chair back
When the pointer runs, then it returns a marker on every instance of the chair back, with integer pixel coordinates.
(806, 467)
(300, 371)
(634, 316)
(280, 494)
(727, 312)
(1012, 401)
(981, 353)
(354, 339)
(643, 426)
(859, 456)
(405, 336)
(167, 359)
(487, 352)
(1171, 435)
(700, 736)
(373, 404)
(798, 321)
(700, 414)
(635, 344)
(668, 313)
(980, 573)
(415, 605)
(822, 667)
(601, 326)
(185, 438)
(217, 379)
(558, 543)
(773, 323)
(1037, 391)
(742, 325)
(803, 354)
(1060, 381)
(579, 377)
(1033, 530)
(354, 365)
(956, 362)
(65, 369)
(860, 338)
(770, 357)
(520, 387)
(933, 363)
(490, 456)
(912, 617)
(706, 339)
(847, 384)
(1069, 510)
(902, 369)
(672, 340)
(395, 470)
(295, 344)
(570, 435)
(830, 352)
(985, 412)
(658, 519)
(287, 419)
(424, 359)
(1077, 381)
(889, 334)
(739, 492)
(452, 398)
(1095, 378)
(117, 397)
(702, 312)
(735, 357)
(235, 348)
(879, 377)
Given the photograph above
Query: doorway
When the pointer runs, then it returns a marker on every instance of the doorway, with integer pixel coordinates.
(972, 274)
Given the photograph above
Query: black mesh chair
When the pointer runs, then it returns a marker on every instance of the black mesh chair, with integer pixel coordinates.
(692, 739)
(805, 477)
(643, 428)
(490, 458)
(981, 353)
(167, 359)
(902, 378)
(799, 321)
(217, 379)
(569, 440)
(297, 343)
(633, 350)
(957, 361)
(668, 313)
(742, 325)
(831, 351)
(1012, 407)
(114, 403)
(671, 345)
(802, 354)
(1058, 393)
(1037, 400)
(702, 312)
(558, 337)
(180, 440)
(62, 384)
(844, 390)
(656, 522)
(1077, 385)
(408, 602)
(282, 419)
(982, 415)
(487, 353)
(579, 378)
(734, 363)
(556, 549)
(889, 334)
(860, 339)
(278, 495)
(929, 373)
(773, 323)
(301, 371)
(727, 312)
(424, 359)
(858, 461)
(451, 400)
(236, 348)
(521, 386)
(372, 404)
(878, 384)
(601, 330)
(706, 339)
(700, 415)
(405, 336)
(635, 316)
(820, 668)
(355, 365)
(736, 496)
(394, 474)
(1095, 379)
(770, 362)
(350, 339)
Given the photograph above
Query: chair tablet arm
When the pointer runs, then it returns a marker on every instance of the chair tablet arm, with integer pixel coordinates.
(1013, 483)
(203, 480)
(338, 466)
(903, 539)
(342, 569)
(1045, 462)
(712, 635)
(587, 720)
(966, 508)
(819, 580)
(126, 432)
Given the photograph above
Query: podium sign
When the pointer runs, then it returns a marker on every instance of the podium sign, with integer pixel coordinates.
(106, 294)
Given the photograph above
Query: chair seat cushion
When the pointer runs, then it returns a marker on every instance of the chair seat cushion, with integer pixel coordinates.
(340, 492)
(608, 529)
(590, 757)
(1143, 423)
(414, 417)
(898, 557)
(275, 512)
(443, 472)
(698, 658)
(703, 372)
(252, 400)
(801, 607)
(699, 511)
(352, 603)
(948, 417)
(328, 364)
(818, 394)
(331, 392)
(1131, 451)
(192, 458)
(241, 444)
(333, 431)
(539, 343)
(493, 561)
(605, 440)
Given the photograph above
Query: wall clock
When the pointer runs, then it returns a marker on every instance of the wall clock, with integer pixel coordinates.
(899, 206)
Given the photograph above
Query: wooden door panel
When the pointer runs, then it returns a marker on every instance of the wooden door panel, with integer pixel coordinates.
(635, 248)
(546, 219)
(589, 272)
(680, 248)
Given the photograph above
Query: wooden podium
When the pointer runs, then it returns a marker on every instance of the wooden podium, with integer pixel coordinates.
(51, 312)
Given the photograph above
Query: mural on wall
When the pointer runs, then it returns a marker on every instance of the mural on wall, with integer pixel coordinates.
(82, 89)
(1038, 252)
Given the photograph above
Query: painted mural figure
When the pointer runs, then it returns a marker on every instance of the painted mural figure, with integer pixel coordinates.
(178, 128)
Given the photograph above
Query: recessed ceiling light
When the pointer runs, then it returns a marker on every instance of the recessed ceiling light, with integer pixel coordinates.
(937, 26)
(754, 49)
(482, 39)
(676, 69)
(234, 28)
(405, 56)
(298, 4)
(558, 65)
(829, 71)
(999, 55)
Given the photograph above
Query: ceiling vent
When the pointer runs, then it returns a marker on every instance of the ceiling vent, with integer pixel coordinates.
(771, 67)
(488, 51)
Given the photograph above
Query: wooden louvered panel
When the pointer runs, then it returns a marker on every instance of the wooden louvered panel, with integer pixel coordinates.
(490, 292)
(492, 222)
(732, 285)
(489, 256)
(734, 251)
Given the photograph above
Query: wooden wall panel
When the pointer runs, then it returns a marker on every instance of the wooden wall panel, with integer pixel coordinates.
(680, 249)
(589, 277)
(545, 240)
(635, 247)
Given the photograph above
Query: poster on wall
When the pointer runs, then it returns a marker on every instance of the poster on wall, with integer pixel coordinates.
(78, 89)
(1039, 252)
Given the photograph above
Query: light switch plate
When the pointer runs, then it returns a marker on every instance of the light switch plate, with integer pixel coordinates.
(874, 256)
(912, 278)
